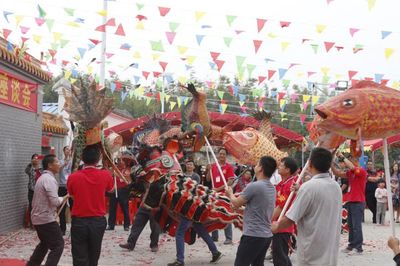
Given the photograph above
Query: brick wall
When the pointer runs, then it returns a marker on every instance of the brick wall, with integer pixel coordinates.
(20, 137)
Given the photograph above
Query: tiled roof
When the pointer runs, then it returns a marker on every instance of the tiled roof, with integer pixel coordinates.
(54, 124)
(51, 108)
(30, 67)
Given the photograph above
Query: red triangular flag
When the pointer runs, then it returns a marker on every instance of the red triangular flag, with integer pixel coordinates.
(24, 39)
(120, 30)
(271, 74)
(118, 85)
(260, 24)
(214, 55)
(40, 21)
(257, 44)
(339, 48)
(101, 28)
(95, 42)
(110, 22)
(6, 33)
(170, 36)
(145, 74)
(284, 24)
(281, 95)
(352, 73)
(353, 31)
(230, 89)
(219, 64)
(310, 73)
(163, 65)
(328, 45)
(384, 81)
(156, 74)
(302, 118)
(141, 17)
(163, 11)
(261, 79)
(64, 63)
(52, 53)
(158, 97)
(239, 31)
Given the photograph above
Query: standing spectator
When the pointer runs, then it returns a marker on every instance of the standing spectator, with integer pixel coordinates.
(122, 197)
(280, 241)
(394, 186)
(381, 199)
(185, 223)
(218, 184)
(33, 171)
(393, 244)
(65, 171)
(316, 211)
(44, 207)
(259, 199)
(244, 180)
(355, 198)
(372, 184)
(88, 187)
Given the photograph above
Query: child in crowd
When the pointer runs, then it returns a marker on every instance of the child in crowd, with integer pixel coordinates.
(381, 198)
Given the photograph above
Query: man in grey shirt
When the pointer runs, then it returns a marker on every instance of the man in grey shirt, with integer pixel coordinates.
(259, 198)
(317, 213)
(65, 171)
(44, 210)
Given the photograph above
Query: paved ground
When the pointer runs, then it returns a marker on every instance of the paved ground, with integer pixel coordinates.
(22, 245)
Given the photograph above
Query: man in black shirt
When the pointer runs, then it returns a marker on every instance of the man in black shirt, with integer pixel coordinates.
(372, 184)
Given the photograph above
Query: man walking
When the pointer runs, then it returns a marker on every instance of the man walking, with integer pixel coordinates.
(65, 171)
(44, 210)
(88, 187)
(316, 211)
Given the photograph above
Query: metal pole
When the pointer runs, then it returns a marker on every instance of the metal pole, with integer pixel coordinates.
(217, 163)
(162, 96)
(103, 47)
(387, 177)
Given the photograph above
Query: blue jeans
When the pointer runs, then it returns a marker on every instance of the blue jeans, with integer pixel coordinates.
(184, 224)
(354, 219)
(227, 230)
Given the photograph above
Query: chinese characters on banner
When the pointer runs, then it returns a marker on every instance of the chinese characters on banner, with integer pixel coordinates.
(18, 93)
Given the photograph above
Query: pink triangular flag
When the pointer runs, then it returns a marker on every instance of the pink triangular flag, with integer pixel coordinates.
(163, 65)
(260, 24)
(111, 22)
(163, 11)
(292, 65)
(352, 73)
(353, 31)
(145, 74)
(310, 73)
(24, 39)
(6, 33)
(257, 44)
(108, 55)
(101, 28)
(156, 74)
(239, 31)
(214, 55)
(261, 79)
(271, 74)
(284, 24)
(328, 45)
(243, 108)
(339, 48)
(120, 30)
(52, 53)
(40, 21)
(302, 118)
(384, 81)
(219, 64)
(24, 30)
(95, 42)
(170, 36)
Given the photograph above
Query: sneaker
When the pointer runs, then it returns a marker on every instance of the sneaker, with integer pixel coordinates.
(110, 228)
(154, 249)
(215, 239)
(216, 257)
(176, 263)
(228, 242)
(126, 228)
(127, 246)
(268, 257)
(359, 252)
(347, 250)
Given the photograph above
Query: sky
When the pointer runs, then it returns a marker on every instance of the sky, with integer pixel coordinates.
(292, 39)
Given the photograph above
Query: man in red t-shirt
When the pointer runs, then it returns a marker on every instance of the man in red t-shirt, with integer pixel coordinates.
(88, 187)
(357, 178)
(218, 185)
(287, 169)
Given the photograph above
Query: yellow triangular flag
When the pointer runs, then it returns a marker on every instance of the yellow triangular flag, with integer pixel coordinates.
(90, 69)
(396, 85)
(18, 19)
(199, 15)
(306, 98)
(148, 100)
(241, 103)
(37, 38)
(67, 74)
(137, 55)
(156, 57)
(102, 13)
(325, 70)
(57, 36)
(73, 24)
(315, 99)
(179, 102)
(139, 91)
(172, 105)
(190, 59)
(338, 76)
(223, 107)
(167, 97)
(72, 81)
(272, 35)
(300, 74)
(182, 49)
(140, 25)
(371, 4)
(282, 102)
(320, 28)
(182, 79)
(388, 52)
(284, 45)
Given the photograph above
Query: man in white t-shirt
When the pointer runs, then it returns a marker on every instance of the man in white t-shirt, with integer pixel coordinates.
(316, 211)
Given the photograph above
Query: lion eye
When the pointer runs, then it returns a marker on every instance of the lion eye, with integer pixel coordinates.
(348, 103)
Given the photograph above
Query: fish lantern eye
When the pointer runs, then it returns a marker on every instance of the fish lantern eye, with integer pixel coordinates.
(347, 103)
(249, 134)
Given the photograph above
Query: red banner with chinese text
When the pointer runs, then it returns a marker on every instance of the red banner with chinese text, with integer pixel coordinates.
(18, 93)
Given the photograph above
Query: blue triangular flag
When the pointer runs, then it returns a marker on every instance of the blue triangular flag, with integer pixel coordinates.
(267, 60)
(385, 34)
(10, 47)
(378, 78)
(123, 95)
(212, 65)
(91, 46)
(6, 14)
(136, 78)
(125, 46)
(188, 67)
(82, 51)
(74, 73)
(310, 84)
(242, 97)
(80, 20)
(205, 26)
(199, 38)
(235, 90)
(169, 78)
(113, 86)
(282, 72)
(273, 94)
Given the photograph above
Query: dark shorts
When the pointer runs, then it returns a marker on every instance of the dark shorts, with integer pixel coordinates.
(396, 203)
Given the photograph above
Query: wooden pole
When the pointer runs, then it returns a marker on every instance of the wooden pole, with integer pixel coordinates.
(387, 177)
